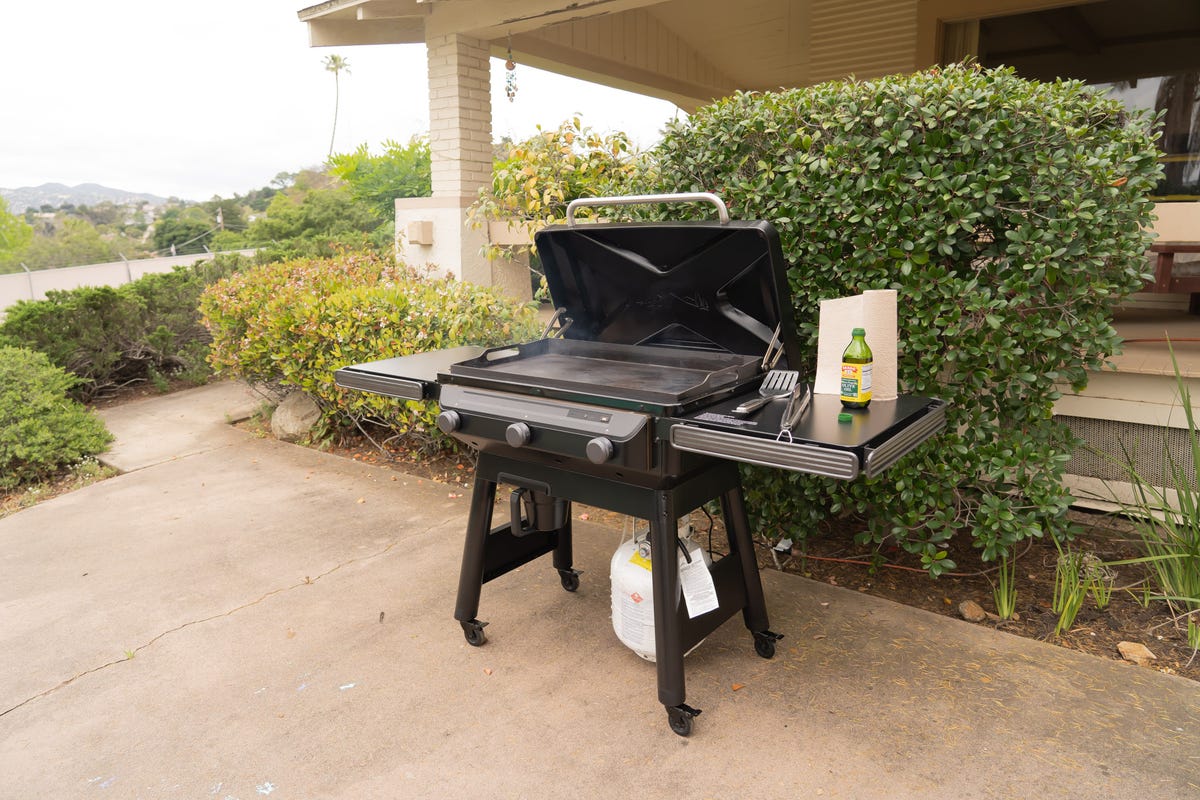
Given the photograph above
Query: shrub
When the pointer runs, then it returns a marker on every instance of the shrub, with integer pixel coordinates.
(41, 430)
(108, 336)
(295, 324)
(1010, 217)
(542, 174)
(376, 181)
(84, 331)
(315, 222)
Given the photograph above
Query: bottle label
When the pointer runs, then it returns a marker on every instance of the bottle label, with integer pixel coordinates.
(856, 382)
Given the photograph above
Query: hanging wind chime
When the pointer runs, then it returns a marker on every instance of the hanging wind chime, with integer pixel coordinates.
(510, 77)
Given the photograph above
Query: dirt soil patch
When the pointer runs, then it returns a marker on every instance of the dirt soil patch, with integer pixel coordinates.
(834, 558)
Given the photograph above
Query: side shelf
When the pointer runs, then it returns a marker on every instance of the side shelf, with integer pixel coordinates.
(873, 439)
(412, 377)
(796, 456)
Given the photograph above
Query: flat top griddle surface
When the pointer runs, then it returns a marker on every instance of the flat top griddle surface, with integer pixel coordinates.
(600, 370)
(599, 373)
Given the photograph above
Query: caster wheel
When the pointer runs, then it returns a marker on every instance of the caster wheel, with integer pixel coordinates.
(764, 643)
(680, 719)
(473, 631)
(570, 579)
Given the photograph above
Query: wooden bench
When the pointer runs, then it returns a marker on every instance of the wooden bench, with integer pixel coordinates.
(1165, 282)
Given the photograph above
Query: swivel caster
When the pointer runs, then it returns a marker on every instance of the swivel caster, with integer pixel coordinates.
(473, 630)
(569, 578)
(680, 718)
(764, 643)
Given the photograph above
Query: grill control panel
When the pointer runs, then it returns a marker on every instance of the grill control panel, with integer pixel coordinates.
(483, 417)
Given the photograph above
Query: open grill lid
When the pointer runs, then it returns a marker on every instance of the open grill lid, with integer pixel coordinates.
(716, 286)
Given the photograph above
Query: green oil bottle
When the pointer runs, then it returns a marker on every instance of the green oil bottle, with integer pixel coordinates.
(856, 371)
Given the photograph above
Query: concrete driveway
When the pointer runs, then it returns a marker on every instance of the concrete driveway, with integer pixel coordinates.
(238, 618)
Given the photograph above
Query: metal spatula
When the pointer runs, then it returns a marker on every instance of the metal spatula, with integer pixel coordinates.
(777, 383)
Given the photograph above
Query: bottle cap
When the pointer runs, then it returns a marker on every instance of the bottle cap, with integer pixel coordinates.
(858, 332)
(845, 418)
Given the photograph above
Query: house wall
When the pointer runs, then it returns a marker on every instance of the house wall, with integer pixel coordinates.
(1177, 222)
(865, 38)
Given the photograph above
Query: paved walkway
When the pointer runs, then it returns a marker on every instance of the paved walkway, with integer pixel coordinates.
(235, 618)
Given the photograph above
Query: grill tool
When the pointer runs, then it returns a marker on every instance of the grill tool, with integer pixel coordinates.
(779, 382)
(798, 403)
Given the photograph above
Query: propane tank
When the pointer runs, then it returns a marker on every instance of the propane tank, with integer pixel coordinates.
(633, 593)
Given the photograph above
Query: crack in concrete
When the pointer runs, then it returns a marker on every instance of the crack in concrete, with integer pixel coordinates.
(130, 654)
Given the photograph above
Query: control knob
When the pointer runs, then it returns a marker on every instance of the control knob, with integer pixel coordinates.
(518, 434)
(600, 450)
(449, 421)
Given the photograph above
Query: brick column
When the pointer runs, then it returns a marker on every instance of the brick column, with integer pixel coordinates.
(460, 115)
(433, 230)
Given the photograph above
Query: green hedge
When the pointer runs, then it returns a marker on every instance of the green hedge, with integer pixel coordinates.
(42, 431)
(108, 337)
(1009, 216)
(295, 323)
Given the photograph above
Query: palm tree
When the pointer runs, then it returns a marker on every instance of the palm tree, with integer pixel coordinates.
(336, 65)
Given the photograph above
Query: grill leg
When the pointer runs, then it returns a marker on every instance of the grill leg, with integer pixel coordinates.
(737, 528)
(668, 638)
(754, 613)
(564, 556)
(470, 577)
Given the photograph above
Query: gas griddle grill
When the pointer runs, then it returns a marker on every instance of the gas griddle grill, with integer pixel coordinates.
(663, 329)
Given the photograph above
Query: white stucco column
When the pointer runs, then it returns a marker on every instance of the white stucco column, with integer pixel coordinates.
(433, 229)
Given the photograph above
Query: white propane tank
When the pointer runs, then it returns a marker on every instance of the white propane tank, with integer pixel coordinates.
(633, 594)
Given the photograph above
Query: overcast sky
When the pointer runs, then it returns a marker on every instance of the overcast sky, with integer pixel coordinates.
(216, 98)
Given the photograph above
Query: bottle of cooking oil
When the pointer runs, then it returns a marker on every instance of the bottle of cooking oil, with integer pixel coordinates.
(856, 371)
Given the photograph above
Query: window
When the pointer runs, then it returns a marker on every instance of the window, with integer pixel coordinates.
(1179, 97)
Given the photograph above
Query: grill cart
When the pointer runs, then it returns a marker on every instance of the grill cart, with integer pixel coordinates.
(637, 403)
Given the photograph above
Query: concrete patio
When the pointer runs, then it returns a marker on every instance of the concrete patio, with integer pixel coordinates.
(235, 617)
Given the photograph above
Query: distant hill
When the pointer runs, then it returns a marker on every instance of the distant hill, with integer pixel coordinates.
(87, 194)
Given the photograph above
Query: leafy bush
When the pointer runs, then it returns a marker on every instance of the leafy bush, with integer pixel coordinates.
(41, 430)
(401, 171)
(108, 336)
(1010, 217)
(294, 324)
(314, 222)
(542, 174)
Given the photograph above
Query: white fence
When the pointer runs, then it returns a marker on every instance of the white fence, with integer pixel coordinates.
(33, 285)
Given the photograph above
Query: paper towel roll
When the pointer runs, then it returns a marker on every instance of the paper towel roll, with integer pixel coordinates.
(874, 311)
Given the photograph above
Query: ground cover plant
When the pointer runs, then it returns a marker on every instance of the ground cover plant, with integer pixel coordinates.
(1008, 214)
(293, 324)
(42, 431)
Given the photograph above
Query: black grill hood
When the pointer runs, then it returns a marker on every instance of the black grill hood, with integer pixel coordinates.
(696, 285)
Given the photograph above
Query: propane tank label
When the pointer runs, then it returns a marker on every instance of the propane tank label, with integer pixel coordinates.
(637, 624)
(640, 560)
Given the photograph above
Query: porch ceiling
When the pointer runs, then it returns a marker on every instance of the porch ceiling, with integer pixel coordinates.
(686, 51)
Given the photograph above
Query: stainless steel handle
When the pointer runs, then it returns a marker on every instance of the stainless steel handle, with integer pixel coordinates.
(644, 199)
(750, 406)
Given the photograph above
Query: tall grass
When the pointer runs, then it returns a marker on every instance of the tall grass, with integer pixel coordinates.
(1170, 531)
